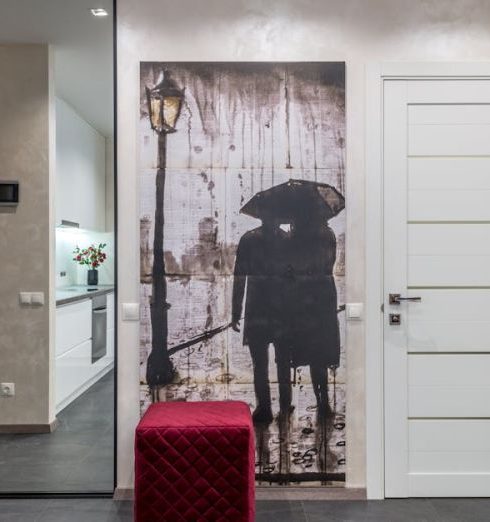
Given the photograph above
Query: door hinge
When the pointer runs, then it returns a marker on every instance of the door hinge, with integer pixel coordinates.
(382, 308)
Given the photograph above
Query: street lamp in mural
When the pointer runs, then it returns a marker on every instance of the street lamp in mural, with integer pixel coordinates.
(164, 104)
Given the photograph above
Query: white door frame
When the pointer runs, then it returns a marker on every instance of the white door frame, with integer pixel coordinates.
(376, 75)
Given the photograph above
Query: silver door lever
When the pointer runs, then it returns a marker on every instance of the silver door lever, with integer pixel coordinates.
(395, 299)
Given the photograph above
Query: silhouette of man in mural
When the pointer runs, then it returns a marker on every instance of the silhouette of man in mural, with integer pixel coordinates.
(310, 295)
(259, 267)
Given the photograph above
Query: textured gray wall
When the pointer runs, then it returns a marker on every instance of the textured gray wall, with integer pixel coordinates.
(24, 232)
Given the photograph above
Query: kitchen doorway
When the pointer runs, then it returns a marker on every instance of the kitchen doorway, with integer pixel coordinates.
(58, 372)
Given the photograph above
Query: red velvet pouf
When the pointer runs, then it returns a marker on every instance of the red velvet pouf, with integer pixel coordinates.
(195, 462)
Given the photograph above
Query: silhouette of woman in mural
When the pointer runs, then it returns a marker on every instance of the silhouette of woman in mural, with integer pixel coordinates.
(311, 298)
(258, 262)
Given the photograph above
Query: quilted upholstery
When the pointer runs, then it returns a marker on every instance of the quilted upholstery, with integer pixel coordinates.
(195, 463)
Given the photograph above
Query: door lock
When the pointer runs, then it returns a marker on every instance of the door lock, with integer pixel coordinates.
(395, 319)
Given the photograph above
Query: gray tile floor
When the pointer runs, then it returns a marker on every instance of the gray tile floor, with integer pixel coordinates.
(77, 457)
(411, 510)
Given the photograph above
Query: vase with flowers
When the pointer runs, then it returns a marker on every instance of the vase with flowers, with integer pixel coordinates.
(92, 256)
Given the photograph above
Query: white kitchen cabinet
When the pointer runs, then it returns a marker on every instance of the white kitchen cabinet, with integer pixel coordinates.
(80, 170)
(73, 325)
(75, 372)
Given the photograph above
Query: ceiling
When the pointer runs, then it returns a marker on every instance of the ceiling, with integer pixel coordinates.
(83, 47)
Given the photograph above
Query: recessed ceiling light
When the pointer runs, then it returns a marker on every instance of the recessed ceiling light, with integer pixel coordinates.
(99, 11)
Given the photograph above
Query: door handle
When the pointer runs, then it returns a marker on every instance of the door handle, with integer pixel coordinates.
(395, 299)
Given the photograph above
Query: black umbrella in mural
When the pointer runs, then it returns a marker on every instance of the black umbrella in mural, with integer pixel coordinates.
(296, 198)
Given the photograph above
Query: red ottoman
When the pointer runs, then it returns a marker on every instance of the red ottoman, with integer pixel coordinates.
(195, 462)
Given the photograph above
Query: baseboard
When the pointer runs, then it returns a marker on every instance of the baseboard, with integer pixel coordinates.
(19, 429)
(282, 493)
(123, 494)
(308, 493)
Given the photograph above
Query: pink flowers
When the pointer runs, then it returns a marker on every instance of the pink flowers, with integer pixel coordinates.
(92, 256)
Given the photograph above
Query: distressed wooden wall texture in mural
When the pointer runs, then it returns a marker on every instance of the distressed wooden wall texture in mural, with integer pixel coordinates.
(239, 131)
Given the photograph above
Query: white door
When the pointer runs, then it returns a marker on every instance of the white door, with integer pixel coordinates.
(436, 150)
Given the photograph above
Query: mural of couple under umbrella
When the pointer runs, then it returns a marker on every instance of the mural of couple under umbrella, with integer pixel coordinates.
(287, 265)
(242, 249)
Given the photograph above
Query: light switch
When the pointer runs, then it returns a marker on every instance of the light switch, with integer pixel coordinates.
(37, 298)
(130, 312)
(354, 311)
(25, 298)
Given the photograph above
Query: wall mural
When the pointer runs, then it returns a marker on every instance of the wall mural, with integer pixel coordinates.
(242, 252)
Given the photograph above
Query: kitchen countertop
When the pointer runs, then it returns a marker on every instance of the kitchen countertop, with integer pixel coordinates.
(70, 294)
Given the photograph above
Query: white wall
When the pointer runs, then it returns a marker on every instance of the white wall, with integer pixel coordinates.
(80, 170)
(84, 194)
(355, 31)
(67, 239)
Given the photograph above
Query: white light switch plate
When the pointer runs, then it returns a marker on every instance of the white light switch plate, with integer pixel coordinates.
(130, 312)
(37, 298)
(25, 298)
(354, 311)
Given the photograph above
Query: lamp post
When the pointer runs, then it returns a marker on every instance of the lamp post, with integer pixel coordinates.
(164, 105)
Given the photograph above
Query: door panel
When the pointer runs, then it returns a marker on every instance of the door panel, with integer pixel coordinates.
(475, 484)
(452, 305)
(448, 401)
(437, 247)
(448, 240)
(436, 173)
(448, 385)
(442, 446)
(448, 336)
(449, 114)
(448, 271)
(449, 205)
(445, 370)
(449, 320)
(436, 254)
(395, 360)
(448, 140)
(454, 92)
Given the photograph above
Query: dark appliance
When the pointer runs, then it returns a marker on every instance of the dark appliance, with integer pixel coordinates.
(9, 193)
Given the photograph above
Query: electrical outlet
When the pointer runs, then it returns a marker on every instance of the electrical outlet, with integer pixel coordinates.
(7, 389)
